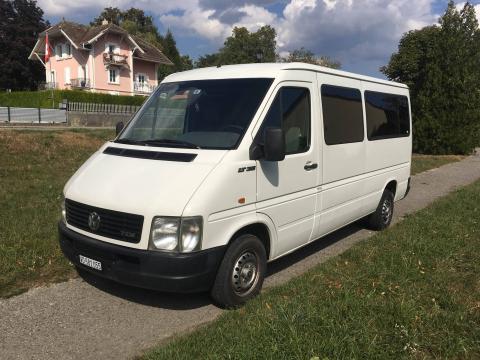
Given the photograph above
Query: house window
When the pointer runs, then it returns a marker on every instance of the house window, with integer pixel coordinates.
(58, 51)
(113, 76)
(112, 49)
(141, 78)
(67, 50)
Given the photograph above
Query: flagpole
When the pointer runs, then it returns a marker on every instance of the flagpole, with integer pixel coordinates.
(53, 83)
(47, 58)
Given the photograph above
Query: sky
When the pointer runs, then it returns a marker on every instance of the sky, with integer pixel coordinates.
(361, 34)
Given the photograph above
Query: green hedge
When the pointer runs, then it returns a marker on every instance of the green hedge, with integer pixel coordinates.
(43, 99)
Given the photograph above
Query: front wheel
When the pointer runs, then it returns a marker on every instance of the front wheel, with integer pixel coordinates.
(382, 217)
(241, 273)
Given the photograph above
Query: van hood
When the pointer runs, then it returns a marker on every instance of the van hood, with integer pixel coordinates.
(141, 186)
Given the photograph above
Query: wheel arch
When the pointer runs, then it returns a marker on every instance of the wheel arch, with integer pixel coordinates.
(391, 184)
(263, 228)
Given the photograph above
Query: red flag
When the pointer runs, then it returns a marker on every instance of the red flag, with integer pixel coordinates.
(48, 51)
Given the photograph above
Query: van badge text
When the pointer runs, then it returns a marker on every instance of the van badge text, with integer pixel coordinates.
(246, 168)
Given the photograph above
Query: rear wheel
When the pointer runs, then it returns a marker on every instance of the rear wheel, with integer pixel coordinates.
(382, 217)
(241, 273)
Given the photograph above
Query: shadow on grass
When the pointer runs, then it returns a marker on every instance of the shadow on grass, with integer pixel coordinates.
(314, 247)
(194, 301)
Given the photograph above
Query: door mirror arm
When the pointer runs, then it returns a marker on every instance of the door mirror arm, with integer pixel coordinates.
(256, 151)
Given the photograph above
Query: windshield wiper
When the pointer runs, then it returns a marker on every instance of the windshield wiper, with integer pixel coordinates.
(170, 142)
(159, 142)
(129, 141)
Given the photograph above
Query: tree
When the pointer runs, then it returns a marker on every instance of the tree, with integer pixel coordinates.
(249, 47)
(171, 51)
(208, 60)
(112, 14)
(307, 56)
(20, 23)
(442, 67)
(187, 62)
(243, 47)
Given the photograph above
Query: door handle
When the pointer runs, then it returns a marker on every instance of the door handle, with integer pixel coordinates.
(310, 166)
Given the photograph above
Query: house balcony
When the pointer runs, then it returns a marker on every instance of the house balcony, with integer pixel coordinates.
(47, 85)
(143, 87)
(115, 59)
(80, 83)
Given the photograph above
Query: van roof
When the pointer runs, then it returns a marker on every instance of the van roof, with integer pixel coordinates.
(269, 70)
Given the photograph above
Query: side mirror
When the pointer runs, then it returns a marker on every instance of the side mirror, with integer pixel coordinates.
(274, 144)
(118, 128)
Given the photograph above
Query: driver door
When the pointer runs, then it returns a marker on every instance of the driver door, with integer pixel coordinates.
(286, 190)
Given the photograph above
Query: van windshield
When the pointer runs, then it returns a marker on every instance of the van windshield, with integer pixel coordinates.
(203, 114)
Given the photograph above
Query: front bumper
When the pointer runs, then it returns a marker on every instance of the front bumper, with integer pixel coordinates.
(170, 272)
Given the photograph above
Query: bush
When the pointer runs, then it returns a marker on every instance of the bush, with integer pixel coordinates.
(43, 99)
(441, 66)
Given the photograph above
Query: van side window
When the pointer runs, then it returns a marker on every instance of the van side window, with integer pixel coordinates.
(342, 115)
(387, 115)
(291, 111)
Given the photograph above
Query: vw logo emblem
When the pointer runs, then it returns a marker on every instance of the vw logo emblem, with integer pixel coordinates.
(94, 221)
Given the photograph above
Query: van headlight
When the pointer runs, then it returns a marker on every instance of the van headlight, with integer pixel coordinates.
(176, 234)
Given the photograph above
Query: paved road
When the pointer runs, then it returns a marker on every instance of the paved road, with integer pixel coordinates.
(96, 319)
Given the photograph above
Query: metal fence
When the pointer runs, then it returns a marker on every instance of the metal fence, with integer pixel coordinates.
(101, 108)
(32, 115)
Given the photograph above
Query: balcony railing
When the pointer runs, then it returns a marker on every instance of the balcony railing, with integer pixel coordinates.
(115, 59)
(143, 87)
(80, 83)
(47, 86)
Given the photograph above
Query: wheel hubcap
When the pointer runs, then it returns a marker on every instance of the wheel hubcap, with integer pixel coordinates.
(386, 211)
(245, 273)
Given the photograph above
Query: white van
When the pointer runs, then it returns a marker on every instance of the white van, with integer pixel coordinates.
(225, 169)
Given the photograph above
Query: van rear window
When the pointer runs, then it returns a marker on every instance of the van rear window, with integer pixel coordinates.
(388, 115)
(342, 115)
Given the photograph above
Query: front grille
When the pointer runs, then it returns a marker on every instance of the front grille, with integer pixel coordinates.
(113, 224)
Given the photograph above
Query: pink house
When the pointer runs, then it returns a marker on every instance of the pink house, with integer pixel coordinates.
(102, 58)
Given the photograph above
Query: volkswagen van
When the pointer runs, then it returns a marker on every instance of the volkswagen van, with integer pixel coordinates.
(226, 169)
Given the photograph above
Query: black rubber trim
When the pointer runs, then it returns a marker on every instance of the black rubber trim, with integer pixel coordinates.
(408, 187)
(150, 155)
(161, 271)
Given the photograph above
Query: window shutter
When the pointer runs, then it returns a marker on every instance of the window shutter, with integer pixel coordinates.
(67, 75)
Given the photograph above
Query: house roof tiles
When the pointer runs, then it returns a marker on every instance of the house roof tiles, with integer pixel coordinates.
(82, 35)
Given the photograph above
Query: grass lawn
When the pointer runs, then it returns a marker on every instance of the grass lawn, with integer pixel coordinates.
(34, 166)
(412, 291)
(421, 163)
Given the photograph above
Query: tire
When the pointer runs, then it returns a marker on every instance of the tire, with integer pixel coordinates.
(241, 273)
(382, 217)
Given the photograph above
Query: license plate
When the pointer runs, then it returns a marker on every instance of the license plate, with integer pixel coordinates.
(94, 264)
